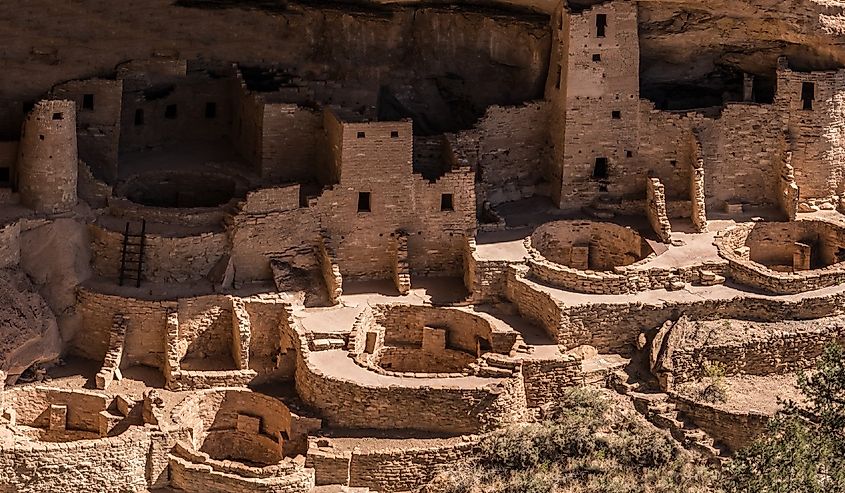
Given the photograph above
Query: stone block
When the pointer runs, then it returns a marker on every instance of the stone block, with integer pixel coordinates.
(249, 424)
(433, 340)
(58, 417)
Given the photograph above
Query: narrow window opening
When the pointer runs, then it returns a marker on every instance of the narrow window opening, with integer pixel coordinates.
(560, 21)
(5, 175)
(211, 110)
(446, 202)
(139, 117)
(87, 101)
(394, 134)
(171, 111)
(58, 116)
(673, 162)
(600, 168)
(361, 135)
(616, 115)
(629, 154)
(808, 94)
(601, 25)
(363, 201)
(597, 57)
(41, 137)
(559, 77)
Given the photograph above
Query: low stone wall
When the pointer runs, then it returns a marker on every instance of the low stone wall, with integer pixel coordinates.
(546, 380)
(733, 428)
(383, 404)
(210, 477)
(32, 404)
(387, 469)
(733, 247)
(166, 258)
(196, 217)
(622, 280)
(588, 245)
(114, 464)
(614, 327)
(745, 347)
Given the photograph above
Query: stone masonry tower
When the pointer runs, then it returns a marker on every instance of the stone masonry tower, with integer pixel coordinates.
(47, 163)
(593, 86)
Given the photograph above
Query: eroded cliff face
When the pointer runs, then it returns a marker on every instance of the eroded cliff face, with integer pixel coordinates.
(443, 64)
(28, 330)
(706, 46)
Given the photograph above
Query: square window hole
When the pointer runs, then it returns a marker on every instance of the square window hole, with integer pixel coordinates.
(597, 57)
(364, 202)
(447, 202)
(171, 111)
(361, 135)
(616, 115)
(58, 116)
(87, 101)
(394, 134)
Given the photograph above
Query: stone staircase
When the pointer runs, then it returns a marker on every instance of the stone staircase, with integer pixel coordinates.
(659, 409)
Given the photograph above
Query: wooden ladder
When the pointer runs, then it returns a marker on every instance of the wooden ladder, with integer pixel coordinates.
(132, 257)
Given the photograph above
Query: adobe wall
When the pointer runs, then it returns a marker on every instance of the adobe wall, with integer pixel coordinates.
(817, 135)
(47, 163)
(166, 258)
(98, 128)
(110, 465)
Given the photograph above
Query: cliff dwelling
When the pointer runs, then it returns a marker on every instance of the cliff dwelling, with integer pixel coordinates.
(316, 247)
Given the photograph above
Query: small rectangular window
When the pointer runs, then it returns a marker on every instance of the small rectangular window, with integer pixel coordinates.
(629, 154)
(361, 135)
(616, 115)
(600, 168)
(447, 202)
(171, 111)
(597, 57)
(5, 175)
(87, 101)
(211, 110)
(58, 116)
(559, 77)
(601, 25)
(363, 201)
(394, 134)
(808, 94)
(139, 117)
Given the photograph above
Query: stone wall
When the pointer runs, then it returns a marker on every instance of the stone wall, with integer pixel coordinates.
(167, 258)
(110, 465)
(10, 244)
(733, 247)
(511, 145)
(656, 209)
(289, 136)
(98, 125)
(737, 430)
(588, 245)
(614, 327)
